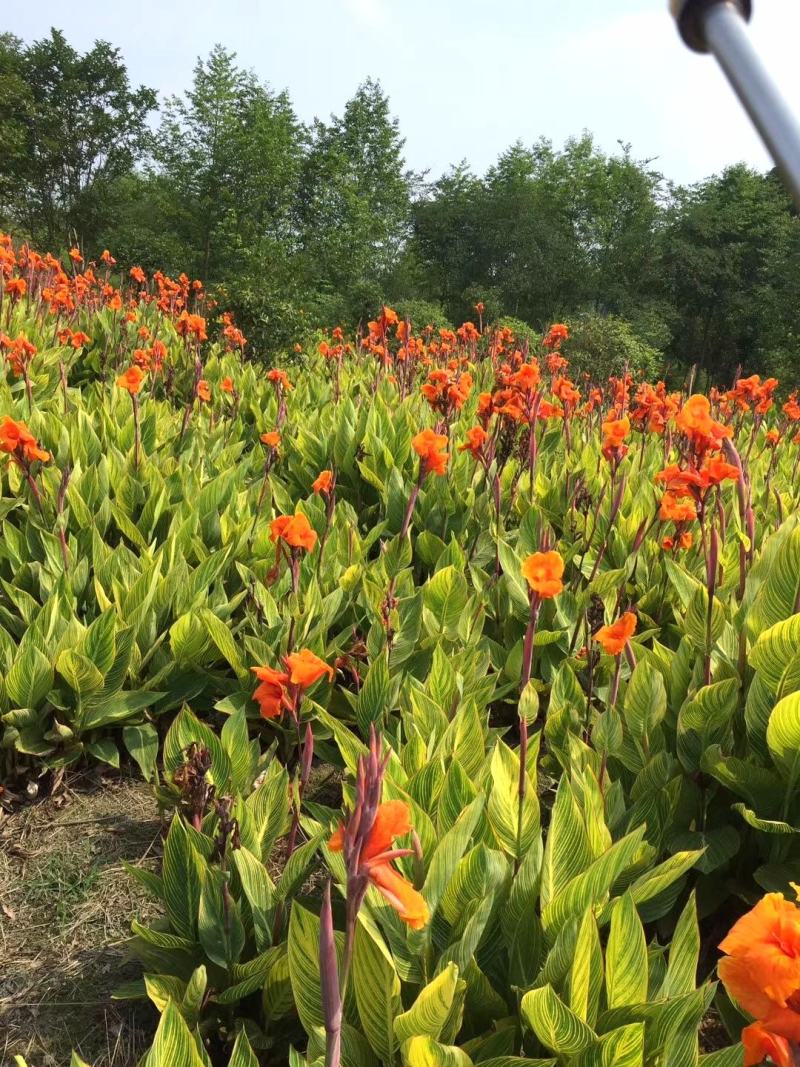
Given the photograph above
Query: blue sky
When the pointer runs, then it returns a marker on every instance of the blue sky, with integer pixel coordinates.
(466, 78)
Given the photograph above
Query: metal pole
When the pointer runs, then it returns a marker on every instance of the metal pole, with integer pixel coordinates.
(718, 26)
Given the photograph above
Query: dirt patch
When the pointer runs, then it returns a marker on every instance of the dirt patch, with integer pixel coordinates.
(66, 903)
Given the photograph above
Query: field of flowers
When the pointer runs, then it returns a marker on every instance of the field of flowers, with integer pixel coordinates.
(543, 633)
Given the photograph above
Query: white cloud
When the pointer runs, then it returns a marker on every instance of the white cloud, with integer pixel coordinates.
(372, 13)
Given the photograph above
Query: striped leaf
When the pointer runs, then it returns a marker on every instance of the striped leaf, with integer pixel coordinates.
(161, 988)
(586, 973)
(182, 874)
(555, 1025)
(626, 956)
(591, 886)
(567, 851)
(242, 1055)
(684, 953)
(377, 991)
(173, 1045)
(449, 852)
(425, 1052)
(219, 925)
(429, 1012)
(259, 891)
(774, 649)
(503, 807)
(624, 1047)
(783, 736)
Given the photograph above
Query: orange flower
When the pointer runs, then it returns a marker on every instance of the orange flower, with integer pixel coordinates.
(75, 255)
(16, 287)
(543, 571)
(271, 439)
(476, 439)
(204, 390)
(323, 482)
(305, 668)
(761, 969)
(226, 385)
(772, 437)
(138, 275)
(677, 510)
(279, 377)
(695, 420)
(760, 1043)
(80, 339)
(615, 637)
(428, 446)
(107, 258)
(18, 441)
(391, 820)
(271, 693)
(614, 433)
(295, 530)
(131, 380)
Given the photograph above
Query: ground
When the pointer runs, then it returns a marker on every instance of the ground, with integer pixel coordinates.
(66, 903)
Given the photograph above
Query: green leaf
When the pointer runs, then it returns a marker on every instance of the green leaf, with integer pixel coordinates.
(444, 599)
(79, 672)
(586, 973)
(783, 738)
(377, 991)
(555, 1025)
(219, 925)
(429, 1012)
(645, 700)
(774, 649)
(30, 678)
(142, 743)
(626, 956)
(684, 953)
(567, 851)
(237, 746)
(182, 877)
(242, 1055)
(623, 1047)
(173, 1045)
(425, 1052)
(373, 699)
(503, 808)
(259, 891)
(220, 634)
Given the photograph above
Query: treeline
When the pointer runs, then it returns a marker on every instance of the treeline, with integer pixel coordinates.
(303, 225)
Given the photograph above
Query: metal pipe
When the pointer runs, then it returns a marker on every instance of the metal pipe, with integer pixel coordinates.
(718, 26)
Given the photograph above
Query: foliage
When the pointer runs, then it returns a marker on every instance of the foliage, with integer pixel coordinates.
(432, 541)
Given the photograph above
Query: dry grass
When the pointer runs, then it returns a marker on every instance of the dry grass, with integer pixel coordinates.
(65, 909)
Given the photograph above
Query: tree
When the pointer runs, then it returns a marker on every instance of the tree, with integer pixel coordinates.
(230, 152)
(731, 249)
(74, 126)
(354, 209)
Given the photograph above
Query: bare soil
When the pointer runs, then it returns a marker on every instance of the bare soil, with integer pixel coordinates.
(66, 904)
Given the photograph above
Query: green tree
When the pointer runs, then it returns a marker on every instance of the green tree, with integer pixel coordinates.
(73, 126)
(229, 151)
(354, 208)
(730, 257)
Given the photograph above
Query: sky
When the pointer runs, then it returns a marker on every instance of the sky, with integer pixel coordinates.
(466, 78)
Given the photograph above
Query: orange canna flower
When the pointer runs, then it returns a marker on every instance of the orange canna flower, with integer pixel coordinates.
(226, 385)
(17, 440)
(131, 380)
(673, 509)
(270, 695)
(323, 482)
(295, 530)
(204, 390)
(138, 275)
(271, 439)
(305, 668)
(75, 255)
(615, 636)
(107, 258)
(614, 433)
(476, 439)
(80, 339)
(695, 420)
(16, 287)
(772, 437)
(760, 1043)
(543, 572)
(392, 820)
(761, 968)
(428, 446)
(279, 377)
